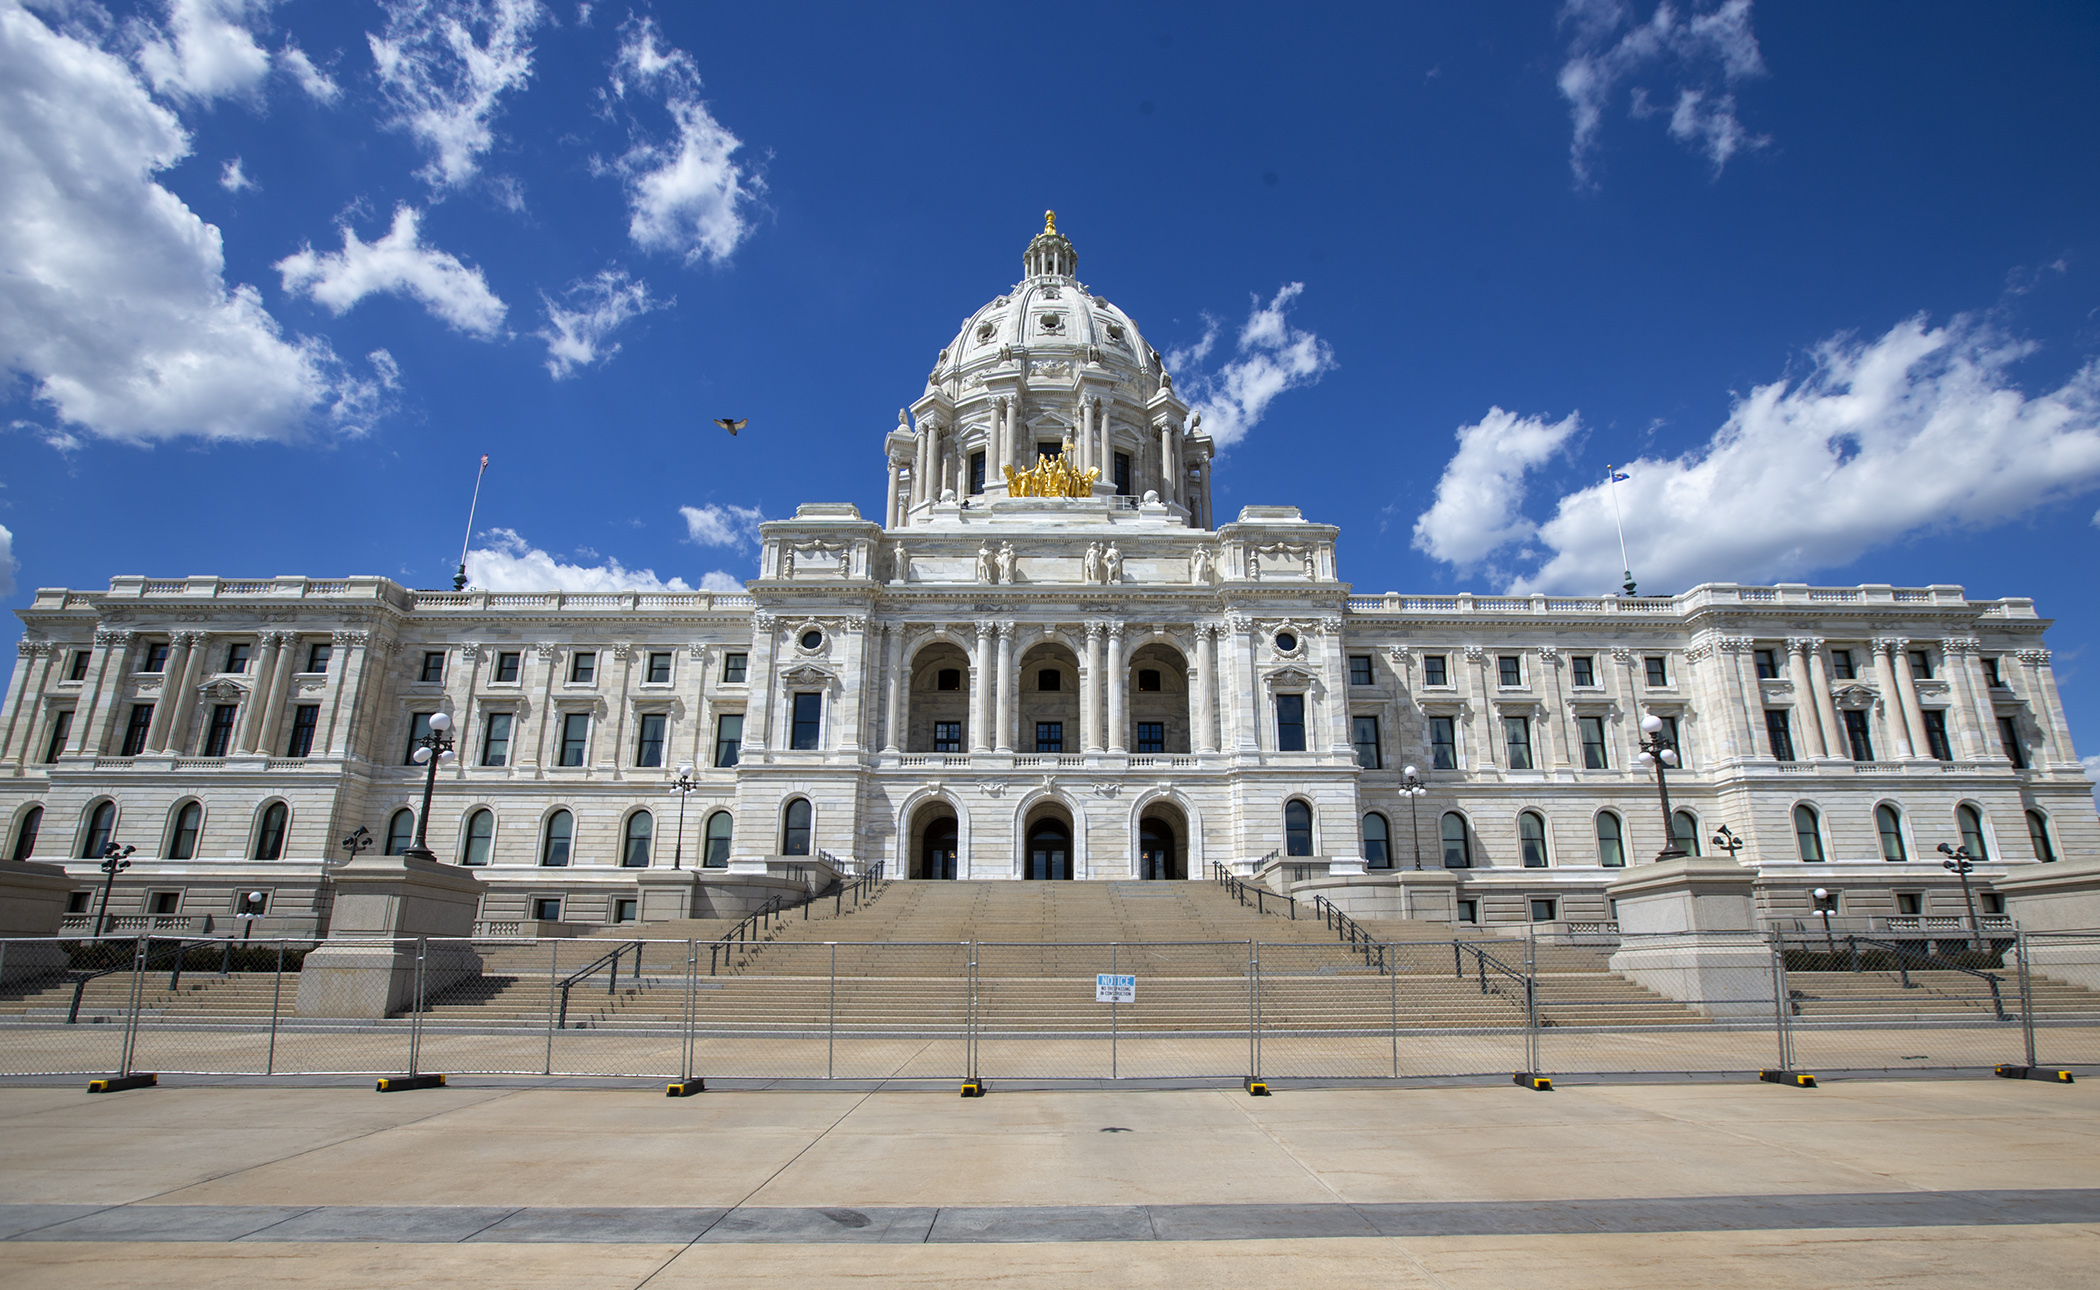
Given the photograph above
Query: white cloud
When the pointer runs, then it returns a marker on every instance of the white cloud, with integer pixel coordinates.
(397, 264)
(1271, 356)
(687, 196)
(8, 564)
(113, 299)
(1701, 54)
(1479, 500)
(232, 178)
(1919, 429)
(317, 83)
(443, 65)
(713, 525)
(207, 51)
(510, 563)
(576, 337)
(720, 581)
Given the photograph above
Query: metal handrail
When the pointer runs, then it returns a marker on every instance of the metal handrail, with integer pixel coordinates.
(862, 889)
(132, 964)
(612, 980)
(1902, 951)
(1351, 931)
(1482, 962)
(1240, 889)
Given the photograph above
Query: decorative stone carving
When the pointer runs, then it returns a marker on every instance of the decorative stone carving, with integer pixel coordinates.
(992, 787)
(1006, 562)
(350, 638)
(2036, 657)
(987, 563)
(1112, 565)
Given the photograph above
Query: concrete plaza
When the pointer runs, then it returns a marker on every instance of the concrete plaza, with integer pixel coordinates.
(517, 1183)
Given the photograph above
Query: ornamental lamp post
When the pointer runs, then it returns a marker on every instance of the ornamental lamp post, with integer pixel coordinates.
(1725, 838)
(1959, 862)
(356, 844)
(1657, 751)
(684, 787)
(432, 751)
(113, 863)
(1825, 902)
(1411, 785)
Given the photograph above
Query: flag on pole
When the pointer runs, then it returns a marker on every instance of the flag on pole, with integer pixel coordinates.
(1616, 477)
(485, 462)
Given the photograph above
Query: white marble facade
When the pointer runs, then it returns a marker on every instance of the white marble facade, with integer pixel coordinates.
(986, 686)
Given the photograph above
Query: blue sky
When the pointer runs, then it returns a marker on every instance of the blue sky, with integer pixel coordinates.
(276, 274)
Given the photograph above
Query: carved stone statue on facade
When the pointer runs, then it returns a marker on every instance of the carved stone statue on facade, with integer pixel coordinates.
(1006, 562)
(1090, 564)
(1200, 566)
(1112, 565)
(986, 572)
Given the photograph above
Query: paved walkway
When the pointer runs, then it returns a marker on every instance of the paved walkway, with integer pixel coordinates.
(1912, 1183)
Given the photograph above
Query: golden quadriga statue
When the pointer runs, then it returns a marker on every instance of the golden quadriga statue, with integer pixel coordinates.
(1052, 477)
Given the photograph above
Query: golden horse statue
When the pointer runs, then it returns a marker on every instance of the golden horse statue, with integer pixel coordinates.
(1052, 477)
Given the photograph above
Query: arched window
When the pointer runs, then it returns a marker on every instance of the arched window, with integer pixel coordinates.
(25, 833)
(1971, 822)
(2037, 833)
(1611, 841)
(1684, 828)
(1297, 828)
(1808, 835)
(1458, 847)
(717, 854)
(269, 836)
(634, 850)
(182, 837)
(400, 831)
(481, 838)
(1377, 854)
(1531, 837)
(1888, 821)
(102, 826)
(794, 830)
(554, 847)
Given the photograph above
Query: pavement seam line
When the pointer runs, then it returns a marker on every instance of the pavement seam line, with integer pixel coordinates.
(1279, 1144)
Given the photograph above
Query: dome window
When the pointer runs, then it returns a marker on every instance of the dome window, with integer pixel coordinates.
(1285, 642)
(1115, 331)
(1051, 322)
(984, 332)
(812, 639)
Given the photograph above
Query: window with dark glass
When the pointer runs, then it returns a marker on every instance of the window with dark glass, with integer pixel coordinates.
(495, 739)
(182, 839)
(1889, 824)
(1297, 828)
(1510, 670)
(481, 838)
(1457, 841)
(269, 834)
(1148, 679)
(1516, 738)
(659, 672)
(25, 834)
(948, 678)
(1544, 909)
(418, 730)
(1591, 731)
(135, 729)
(1808, 835)
(1971, 822)
(61, 730)
(400, 831)
(1122, 474)
(1290, 723)
(555, 841)
(1658, 672)
(1443, 743)
(1778, 734)
(237, 657)
(729, 736)
(1050, 451)
(78, 672)
(1049, 678)
(583, 667)
(1990, 673)
(1433, 672)
(716, 855)
(1684, 831)
(433, 666)
(1841, 665)
(1582, 670)
(1767, 662)
(1151, 736)
(546, 909)
(1856, 734)
(1936, 734)
(319, 656)
(649, 739)
(794, 835)
(1360, 669)
(733, 668)
(947, 736)
(1669, 734)
(101, 826)
(507, 663)
(306, 719)
(1921, 664)
(976, 473)
(2008, 739)
(156, 657)
(1531, 838)
(812, 639)
(575, 735)
(1469, 911)
(1611, 841)
(219, 734)
(1378, 852)
(1364, 734)
(634, 848)
(808, 723)
(2038, 835)
(1049, 736)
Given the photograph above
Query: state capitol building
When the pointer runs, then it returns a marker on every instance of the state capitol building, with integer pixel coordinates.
(1048, 659)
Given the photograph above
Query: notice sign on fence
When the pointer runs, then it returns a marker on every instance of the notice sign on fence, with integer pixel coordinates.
(1109, 988)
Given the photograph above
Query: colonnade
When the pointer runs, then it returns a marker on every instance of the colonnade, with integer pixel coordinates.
(936, 460)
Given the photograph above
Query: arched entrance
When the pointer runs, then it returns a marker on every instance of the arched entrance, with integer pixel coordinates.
(1159, 859)
(937, 853)
(1049, 852)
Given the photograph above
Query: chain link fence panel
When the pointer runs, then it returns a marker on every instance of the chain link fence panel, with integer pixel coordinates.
(2063, 979)
(1892, 1002)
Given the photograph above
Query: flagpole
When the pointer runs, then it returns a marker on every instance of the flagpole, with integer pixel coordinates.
(1611, 473)
(459, 580)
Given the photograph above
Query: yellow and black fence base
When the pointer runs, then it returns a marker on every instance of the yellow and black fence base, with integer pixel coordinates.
(1257, 1087)
(1795, 1079)
(402, 1083)
(685, 1087)
(1532, 1080)
(2051, 1074)
(118, 1083)
(973, 1088)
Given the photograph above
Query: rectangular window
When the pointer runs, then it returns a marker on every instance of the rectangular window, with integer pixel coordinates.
(546, 909)
(1990, 673)
(623, 910)
(1583, 669)
(809, 712)
(218, 736)
(1856, 735)
(1510, 671)
(1516, 736)
(1359, 669)
(157, 658)
(495, 740)
(1841, 665)
(1122, 474)
(1936, 734)
(1443, 743)
(1544, 909)
(318, 657)
(1364, 732)
(947, 736)
(1049, 451)
(1767, 664)
(61, 730)
(77, 902)
(80, 665)
(575, 734)
(729, 736)
(1049, 736)
(1049, 679)
(649, 740)
(418, 730)
(659, 672)
(583, 667)
(1669, 734)
(237, 657)
(166, 902)
(507, 662)
(1921, 665)
(1469, 911)
(1290, 723)
(1591, 731)
(733, 669)
(1433, 672)
(2008, 739)
(1658, 671)
(1778, 733)
(306, 718)
(1151, 736)
(976, 473)
(1148, 680)
(135, 730)
(433, 666)
(1908, 903)
(948, 678)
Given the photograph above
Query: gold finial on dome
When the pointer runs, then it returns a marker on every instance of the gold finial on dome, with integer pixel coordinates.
(1049, 221)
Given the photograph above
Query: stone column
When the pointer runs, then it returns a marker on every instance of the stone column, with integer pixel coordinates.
(889, 513)
(549, 656)
(1907, 690)
(1476, 749)
(1893, 720)
(172, 670)
(2048, 706)
(112, 656)
(919, 465)
(280, 687)
(32, 671)
(1826, 707)
(759, 731)
(1971, 699)
(1808, 719)
(1090, 692)
(352, 648)
(248, 737)
(1556, 714)
(1203, 718)
(175, 738)
(1247, 686)
(981, 701)
(1118, 679)
(1739, 679)
(1334, 694)
(893, 720)
(1005, 682)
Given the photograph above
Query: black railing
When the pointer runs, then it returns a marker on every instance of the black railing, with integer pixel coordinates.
(1351, 932)
(138, 960)
(609, 960)
(1484, 963)
(1242, 889)
(1905, 955)
(768, 915)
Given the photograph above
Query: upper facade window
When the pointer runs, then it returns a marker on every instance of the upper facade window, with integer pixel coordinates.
(808, 721)
(1990, 673)
(507, 663)
(1509, 671)
(1360, 669)
(433, 666)
(237, 657)
(1582, 670)
(156, 659)
(1433, 670)
(1921, 664)
(1767, 664)
(659, 669)
(1658, 670)
(1841, 665)
(583, 667)
(1290, 723)
(733, 668)
(318, 657)
(78, 672)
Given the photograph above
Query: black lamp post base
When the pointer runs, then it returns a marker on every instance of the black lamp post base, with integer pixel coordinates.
(419, 853)
(1671, 853)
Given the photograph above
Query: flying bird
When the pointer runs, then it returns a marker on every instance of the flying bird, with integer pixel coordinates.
(732, 425)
